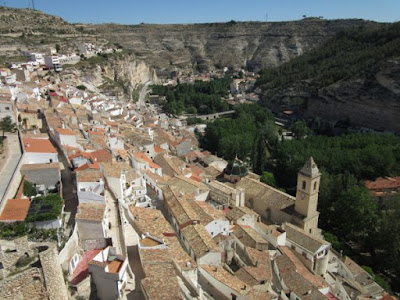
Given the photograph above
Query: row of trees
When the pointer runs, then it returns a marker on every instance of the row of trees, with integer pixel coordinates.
(201, 97)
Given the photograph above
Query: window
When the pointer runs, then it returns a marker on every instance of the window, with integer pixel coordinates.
(310, 230)
(315, 186)
(304, 185)
(7, 108)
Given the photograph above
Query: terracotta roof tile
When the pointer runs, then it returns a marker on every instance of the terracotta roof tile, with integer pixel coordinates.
(38, 146)
(15, 210)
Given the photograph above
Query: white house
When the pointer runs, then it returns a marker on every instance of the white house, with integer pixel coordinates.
(66, 137)
(53, 61)
(109, 273)
(39, 151)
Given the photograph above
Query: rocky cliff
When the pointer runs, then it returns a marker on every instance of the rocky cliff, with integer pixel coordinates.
(121, 75)
(202, 46)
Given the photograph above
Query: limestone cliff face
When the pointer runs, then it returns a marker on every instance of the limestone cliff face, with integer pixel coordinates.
(127, 69)
(371, 100)
(120, 76)
(204, 46)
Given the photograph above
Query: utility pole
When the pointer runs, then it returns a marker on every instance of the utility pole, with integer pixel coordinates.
(266, 17)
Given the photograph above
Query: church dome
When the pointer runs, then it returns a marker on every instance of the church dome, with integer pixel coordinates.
(236, 168)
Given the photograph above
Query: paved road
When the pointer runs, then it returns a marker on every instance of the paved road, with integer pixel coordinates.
(142, 95)
(12, 160)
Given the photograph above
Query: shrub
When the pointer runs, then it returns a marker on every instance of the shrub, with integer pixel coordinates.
(29, 189)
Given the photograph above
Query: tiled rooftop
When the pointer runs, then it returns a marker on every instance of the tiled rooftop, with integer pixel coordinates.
(199, 240)
(15, 210)
(38, 146)
(91, 212)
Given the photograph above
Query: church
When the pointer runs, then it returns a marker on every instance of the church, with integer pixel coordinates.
(277, 207)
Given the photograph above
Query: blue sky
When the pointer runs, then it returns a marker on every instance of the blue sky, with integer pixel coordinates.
(201, 11)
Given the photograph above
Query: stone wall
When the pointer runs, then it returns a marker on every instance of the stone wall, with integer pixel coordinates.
(26, 285)
(53, 275)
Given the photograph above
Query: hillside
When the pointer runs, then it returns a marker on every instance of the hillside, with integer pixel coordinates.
(353, 77)
(237, 44)
(171, 47)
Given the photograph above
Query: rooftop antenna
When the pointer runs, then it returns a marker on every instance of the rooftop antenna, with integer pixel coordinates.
(31, 4)
(266, 17)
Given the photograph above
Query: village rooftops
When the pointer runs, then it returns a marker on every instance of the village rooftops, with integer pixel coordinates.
(226, 278)
(303, 239)
(387, 184)
(186, 185)
(109, 260)
(88, 176)
(295, 281)
(315, 280)
(199, 240)
(239, 211)
(91, 212)
(160, 282)
(144, 158)
(63, 131)
(30, 167)
(116, 169)
(207, 212)
(38, 146)
(226, 189)
(179, 206)
(151, 221)
(15, 210)
(258, 191)
(250, 232)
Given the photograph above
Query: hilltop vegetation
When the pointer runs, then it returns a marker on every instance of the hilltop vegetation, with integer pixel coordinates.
(346, 55)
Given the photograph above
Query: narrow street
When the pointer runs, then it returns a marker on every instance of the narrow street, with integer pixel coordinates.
(69, 194)
(113, 218)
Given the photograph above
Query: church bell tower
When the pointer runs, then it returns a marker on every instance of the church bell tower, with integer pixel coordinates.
(308, 182)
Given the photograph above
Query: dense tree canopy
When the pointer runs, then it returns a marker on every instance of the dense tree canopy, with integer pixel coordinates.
(201, 97)
(246, 135)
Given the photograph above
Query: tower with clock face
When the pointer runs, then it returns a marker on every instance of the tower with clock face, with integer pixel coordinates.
(308, 181)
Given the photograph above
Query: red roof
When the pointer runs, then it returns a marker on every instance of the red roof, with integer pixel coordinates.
(38, 146)
(62, 99)
(63, 131)
(147, 159)
(15, 210)
(82, 269)
(54, 94)
(383, 183)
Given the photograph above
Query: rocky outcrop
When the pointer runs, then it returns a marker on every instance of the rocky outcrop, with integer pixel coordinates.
(236, 44)
(120, 75)
(371, 100)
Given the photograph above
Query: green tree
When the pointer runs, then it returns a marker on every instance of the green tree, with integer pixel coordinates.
(7, 125)
(58, 48)
(268, 178)
(300, 130)
(29, 189)
(356, 214)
